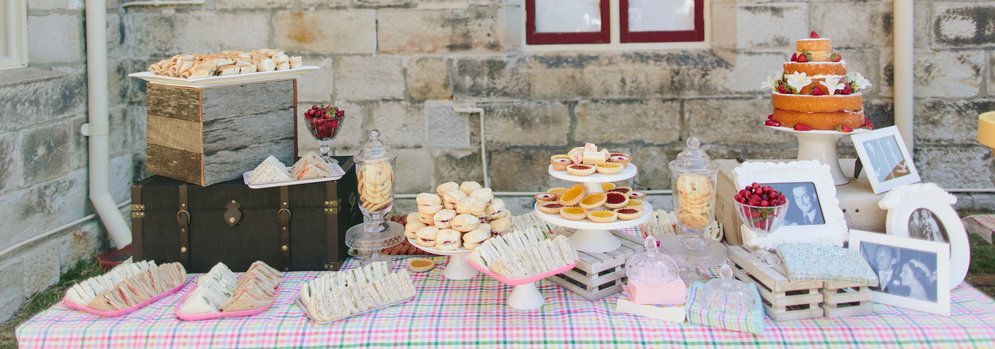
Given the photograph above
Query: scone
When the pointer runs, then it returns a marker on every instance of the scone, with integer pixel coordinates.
(428, 200)
(427, 218)
(412, 226)
(450, 198)
(468, 187)
(427, 236)
(472, 205)
(485, 194)
(464, 223)
(444, 219)
(496, 210)
(449, 240)
(474, 238)
(500, 226)
(485, 227)
(446, 187)
(429, 210)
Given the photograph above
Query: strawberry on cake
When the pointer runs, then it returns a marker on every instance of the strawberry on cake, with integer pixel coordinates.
(815, 91)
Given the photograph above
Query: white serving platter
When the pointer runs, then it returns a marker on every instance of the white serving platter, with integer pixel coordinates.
(224, 80)
(627, 173)
(337, 173)
(589, 225)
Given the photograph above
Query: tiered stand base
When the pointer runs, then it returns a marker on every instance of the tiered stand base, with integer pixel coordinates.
(821, 146)
(456, 267)
(599, 275)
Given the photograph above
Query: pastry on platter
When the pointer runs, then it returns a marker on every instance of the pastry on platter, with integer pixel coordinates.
(607, 186)
(581, 170)
(602, 216)
(444, 219)
(412, 226)
(592, 201)
(635, 203)
(473, 206)
(637, 195)
(557, 191)
(464, 223)
(620, 158)
(428, 218)
(450, 198)
(427, 236)
(550, 207)
(446, 187)
(609, 168)
(485, 194)
(573, 213)
(474, 238)
(628, 213)
(546, 197)
(621, 189)
(469, 187)
(593, 158)
(500, 226)
(572, 196)
(496, 210)
(448, 240)
(226, 63)
(560, 162)
(428, 200)
(616, 200)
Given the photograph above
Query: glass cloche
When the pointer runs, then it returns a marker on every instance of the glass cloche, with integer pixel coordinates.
(728, 294)
(375, 177)
(654, 278)
(693, 179)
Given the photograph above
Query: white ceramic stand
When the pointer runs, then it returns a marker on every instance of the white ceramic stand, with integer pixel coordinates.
(456, 267)
(526, 297)
(821, 145)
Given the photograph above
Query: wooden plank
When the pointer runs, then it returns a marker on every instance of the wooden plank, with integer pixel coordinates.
(794, 315)
(232, 101)
(834, 312)
(176, 164)
(770, 277)
(173, 133)
(834, 297)
(181, 103)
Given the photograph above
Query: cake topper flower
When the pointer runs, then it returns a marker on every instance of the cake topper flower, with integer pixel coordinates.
(771, 81)
(832, 83)
(857, 81)
(798, 81)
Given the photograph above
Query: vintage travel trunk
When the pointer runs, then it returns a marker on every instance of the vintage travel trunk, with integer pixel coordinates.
(213, 134)
(299, 227)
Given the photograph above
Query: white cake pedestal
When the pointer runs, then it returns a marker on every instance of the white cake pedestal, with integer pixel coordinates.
(526, 297)
(820, 145)
(456, 267)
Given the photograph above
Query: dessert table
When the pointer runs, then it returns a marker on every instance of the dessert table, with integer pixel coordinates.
(449, 313)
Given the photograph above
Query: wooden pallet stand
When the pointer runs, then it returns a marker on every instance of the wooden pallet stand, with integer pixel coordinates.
(846, 299)
(599, 275)
(784, 300)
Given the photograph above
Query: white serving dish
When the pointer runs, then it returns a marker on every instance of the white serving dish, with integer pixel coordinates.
(337, 173)
(589, 225)
(224, 80)
(627, 173)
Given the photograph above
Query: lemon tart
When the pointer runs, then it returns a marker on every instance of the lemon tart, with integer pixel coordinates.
(602, 216)
(593, 201)
(573, 213)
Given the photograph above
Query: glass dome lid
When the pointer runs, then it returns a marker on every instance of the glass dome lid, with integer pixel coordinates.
(692, 159)
(727, 293)
(375, 149)
(651, 267)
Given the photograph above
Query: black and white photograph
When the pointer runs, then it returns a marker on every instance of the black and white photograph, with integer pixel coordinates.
(885, 159)
(902, 272)
(803, 203)
(925, 225)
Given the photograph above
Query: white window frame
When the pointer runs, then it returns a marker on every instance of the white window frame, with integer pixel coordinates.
(17, 35)
(616, 45)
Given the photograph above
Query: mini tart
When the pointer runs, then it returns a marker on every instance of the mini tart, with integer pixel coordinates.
(547, 197)
(607, 186)
(620, 158)
(557, 191)
(593, 201)
(635, 203)
(420, 265)
(637, 195)
(616, 200)
(581, 170)
(550, 207)
(609, 168)
(628, 213)
(573, 196)
(602, 216)
(560, 164)
(573, 213)
(623, 190)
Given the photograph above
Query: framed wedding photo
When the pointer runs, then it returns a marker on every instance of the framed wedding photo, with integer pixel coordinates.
(885, 159)
(814, 213)
(911, 273)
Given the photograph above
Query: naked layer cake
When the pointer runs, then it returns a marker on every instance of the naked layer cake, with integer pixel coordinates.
(816, 92)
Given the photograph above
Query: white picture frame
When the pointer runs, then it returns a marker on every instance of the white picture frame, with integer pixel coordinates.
(15, 31)
(886, 160)
(925, 211)
(804, 178)
(912, 273)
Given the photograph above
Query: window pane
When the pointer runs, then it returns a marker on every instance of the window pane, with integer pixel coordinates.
(568, 16)
(4, 28)
(661, 15)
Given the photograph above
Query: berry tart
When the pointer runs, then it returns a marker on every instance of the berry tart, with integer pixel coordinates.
(581, 170)
(550, 207)
(637, 195)
(560, 162)
(547, 197)
(620, 158)
(623, 190)
(628, 213)
(616, 200)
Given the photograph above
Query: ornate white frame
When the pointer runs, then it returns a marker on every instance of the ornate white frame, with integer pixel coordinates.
(880, 187)
(904, 200)
(833, 232)
(942, 305)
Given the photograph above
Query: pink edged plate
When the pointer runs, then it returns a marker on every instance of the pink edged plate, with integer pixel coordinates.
(129, 310)
(221, 315)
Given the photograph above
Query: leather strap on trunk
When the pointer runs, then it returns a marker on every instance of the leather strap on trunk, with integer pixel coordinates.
(332, 226)
(183, 219)
(284, 217)
(137, 214)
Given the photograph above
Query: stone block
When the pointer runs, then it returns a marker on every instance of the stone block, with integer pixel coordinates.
(783, 24)
(454, 165)
(964, 24)
(525, 124)
(440, 4)
(955, 74)
(59, 202)
(490, 78)
(446, 129)
(44, 152)
(316, 86)
(11, 169)
(311, 4)
(326, 31)
(366, 78)
(156, 33)
(960, 166)
(654, 170)
(21, 219)
(627, 121)
(384, 3)
(749, 70)
(78, 155)
(79, 242)
(853, 24)
(428, 78)
(402, 125)
(417, 168)
(55, 38)
(29, 102)
(520, 170)
(121, 177)
(253, 4)
(11, 292)
(732, 121)
(39, 264)
(477, 28)
(948, 122)
(349, 139)
(47, 5)
(991, 73)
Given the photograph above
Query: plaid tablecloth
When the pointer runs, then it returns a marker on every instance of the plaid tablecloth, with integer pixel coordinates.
(473, 313)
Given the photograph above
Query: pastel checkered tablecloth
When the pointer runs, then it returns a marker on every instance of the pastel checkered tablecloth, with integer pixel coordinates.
(473, 313)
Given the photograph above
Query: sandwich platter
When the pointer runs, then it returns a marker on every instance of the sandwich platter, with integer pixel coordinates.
(129, 310)
(224, 80)
(220, 293)
(311, 168)
(334, 176)
(126, 288)
(219, 315)
(339, 295)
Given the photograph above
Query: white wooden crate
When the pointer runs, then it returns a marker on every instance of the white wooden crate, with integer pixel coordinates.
(599, 275)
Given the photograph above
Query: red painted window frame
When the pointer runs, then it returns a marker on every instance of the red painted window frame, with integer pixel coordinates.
(535, 38)
(698, 34)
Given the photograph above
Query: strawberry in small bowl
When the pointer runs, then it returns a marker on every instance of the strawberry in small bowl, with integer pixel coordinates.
(762, 209)
(324, 123)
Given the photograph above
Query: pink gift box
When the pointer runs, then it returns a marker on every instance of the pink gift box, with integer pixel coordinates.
(671, 293)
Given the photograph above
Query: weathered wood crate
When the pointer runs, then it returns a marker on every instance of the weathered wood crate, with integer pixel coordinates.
(786, 300)
(213, 134)
(599, 275)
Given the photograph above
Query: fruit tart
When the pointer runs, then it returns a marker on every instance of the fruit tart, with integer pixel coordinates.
(560, 162)
(573, 213)
(593, 201)
(628, 213)
(573, 196)
(581, 170)
(547, 197)
(550, 207)
(615, 200)
(609, 168)
(602, 216)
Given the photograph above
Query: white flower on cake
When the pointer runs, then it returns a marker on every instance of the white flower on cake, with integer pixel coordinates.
(858, 80)
(832, 83)
(771, 81)
(798, 81)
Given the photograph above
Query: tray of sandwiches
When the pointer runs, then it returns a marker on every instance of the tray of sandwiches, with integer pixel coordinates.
(226, 68)
(126, 288)
(309, 169)
(335, 296)
(220, 293)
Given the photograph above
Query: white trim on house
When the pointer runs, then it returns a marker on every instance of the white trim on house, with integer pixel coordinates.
(16, 32)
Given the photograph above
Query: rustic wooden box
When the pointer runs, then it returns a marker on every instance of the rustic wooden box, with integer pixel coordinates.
(846, 299)
(213, 134)
(599, 275)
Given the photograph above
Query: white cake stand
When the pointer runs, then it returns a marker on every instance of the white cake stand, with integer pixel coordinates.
(456, 267)
(820, 145)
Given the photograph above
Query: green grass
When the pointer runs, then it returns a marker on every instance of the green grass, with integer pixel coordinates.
(981, 273)
(85, 268)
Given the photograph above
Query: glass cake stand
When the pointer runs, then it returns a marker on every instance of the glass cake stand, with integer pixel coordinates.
(374, 241)
(711, 255)
(820, 145)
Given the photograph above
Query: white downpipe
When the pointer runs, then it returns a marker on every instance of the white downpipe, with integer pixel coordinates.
(904, 38)
(483, 139)
(98, 125)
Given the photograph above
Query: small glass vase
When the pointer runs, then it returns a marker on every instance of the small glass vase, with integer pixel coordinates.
(762, 221)
(324, 124)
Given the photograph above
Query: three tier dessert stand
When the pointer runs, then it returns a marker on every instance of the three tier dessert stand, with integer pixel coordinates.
(591, 236)
(820, 145)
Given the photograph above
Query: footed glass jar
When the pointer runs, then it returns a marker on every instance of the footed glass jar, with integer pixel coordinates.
(654, 278)
(375, 181)
(693, 179)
